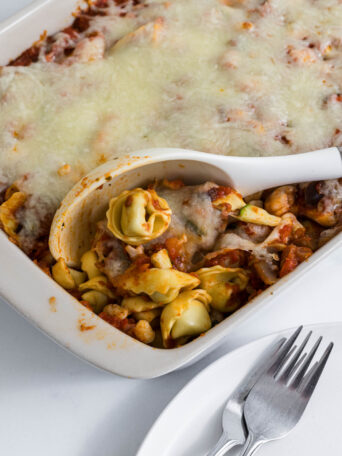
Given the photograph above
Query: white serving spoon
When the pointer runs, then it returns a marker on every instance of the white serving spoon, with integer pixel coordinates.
(74, 224)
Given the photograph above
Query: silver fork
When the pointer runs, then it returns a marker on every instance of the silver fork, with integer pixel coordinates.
(234, 430)
(278, 399)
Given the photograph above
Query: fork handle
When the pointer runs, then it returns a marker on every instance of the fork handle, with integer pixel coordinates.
(223, 445)
(251, 445)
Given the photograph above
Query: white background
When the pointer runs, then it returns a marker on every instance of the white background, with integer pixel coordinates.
(53, 404)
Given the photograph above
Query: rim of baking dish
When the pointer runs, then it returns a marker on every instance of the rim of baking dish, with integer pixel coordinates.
(59, 315)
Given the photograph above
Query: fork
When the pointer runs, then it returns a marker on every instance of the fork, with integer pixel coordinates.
(278, 399)
(234, 430)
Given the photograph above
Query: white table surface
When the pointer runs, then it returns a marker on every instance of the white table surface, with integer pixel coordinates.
(52, 403)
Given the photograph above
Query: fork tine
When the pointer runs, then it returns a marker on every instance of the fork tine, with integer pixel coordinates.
(297, 366)
(299, 363)
(285, 360)
(283, 352)
(300, 374)
(308, 374)
(287, 357)
(288, 371)
(310, 382)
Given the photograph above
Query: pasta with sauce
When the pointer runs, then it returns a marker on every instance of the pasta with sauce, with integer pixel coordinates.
(227, 77)
(175, 286)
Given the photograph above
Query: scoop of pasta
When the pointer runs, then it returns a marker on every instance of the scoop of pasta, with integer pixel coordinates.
(221, 283)
(161, 285)
(137, 216)
(187, 315)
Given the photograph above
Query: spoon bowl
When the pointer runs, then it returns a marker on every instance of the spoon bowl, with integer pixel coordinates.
(74, 224)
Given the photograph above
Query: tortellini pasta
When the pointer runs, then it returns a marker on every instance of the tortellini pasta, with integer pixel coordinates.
(67, 277)
(139, 304)
(166, 281)
(161, 285)
(88, 264)
(277, 238)
(221, 284)
(96, 300)
(257, 215)
(137, 216)
(229, 197)
(98, 283)
(7, 213)
(161, 259)
(148, 315)
(186, 316)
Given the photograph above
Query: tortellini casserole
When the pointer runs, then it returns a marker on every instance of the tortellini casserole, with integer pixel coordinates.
(169, 262)
(240, 78)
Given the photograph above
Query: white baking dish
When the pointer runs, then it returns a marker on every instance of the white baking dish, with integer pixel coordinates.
(63, 318)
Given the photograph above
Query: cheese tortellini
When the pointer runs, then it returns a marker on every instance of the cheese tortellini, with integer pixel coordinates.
(96, 300)
(139, 304)
(7, 213)
(66, 277)
(186, 316)
(138, 216)
(161, 285)
(229, 197)
(99, 283)
(221, 284)
(169, 262)
(161, 259)
(88, 264)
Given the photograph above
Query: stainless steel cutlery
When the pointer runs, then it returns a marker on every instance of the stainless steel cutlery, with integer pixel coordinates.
(272, 398)
(233, 425)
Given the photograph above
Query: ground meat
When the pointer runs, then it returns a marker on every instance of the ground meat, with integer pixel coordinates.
(291, 257)
(113, 259)
(252, 232)
(322, 201)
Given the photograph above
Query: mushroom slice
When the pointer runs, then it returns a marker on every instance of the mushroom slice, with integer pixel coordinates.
(185, 316)
(223, 284)
(137, 216)
(161, 285)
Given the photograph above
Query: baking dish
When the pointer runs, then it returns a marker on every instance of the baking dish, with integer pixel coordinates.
(59, 315)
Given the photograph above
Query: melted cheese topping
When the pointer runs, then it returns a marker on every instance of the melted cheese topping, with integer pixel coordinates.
(223, 76)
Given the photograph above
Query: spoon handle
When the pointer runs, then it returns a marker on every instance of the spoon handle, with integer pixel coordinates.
(252, 444)
(251, 174)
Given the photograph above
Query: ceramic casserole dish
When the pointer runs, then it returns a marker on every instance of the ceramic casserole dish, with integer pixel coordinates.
(54, 311)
